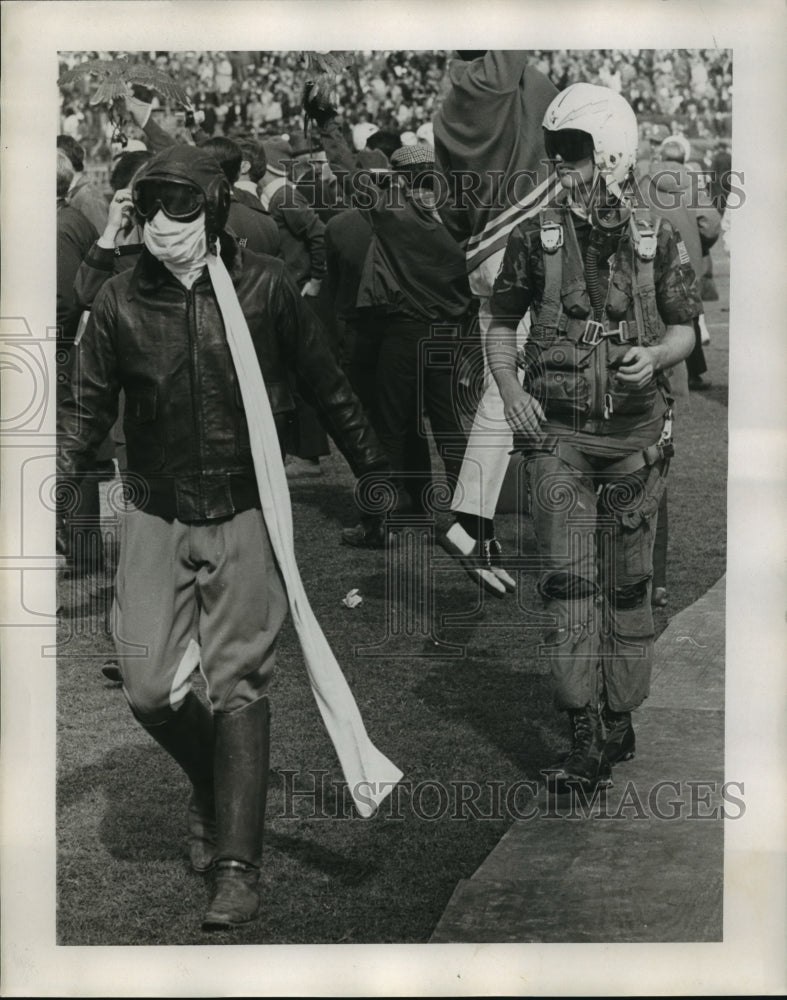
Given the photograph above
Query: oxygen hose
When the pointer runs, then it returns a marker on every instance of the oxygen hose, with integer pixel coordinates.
(592, 279)
(605, 221)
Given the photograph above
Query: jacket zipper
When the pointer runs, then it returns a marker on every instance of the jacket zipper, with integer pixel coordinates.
(191, 326)
(603, 401)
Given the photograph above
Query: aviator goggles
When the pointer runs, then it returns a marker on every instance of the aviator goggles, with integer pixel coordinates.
(570, 144)
(180, 202)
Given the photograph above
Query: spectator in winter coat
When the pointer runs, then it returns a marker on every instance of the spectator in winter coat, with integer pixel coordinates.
(303, 250)
(83, 195)
(75, 235)
(253, 226)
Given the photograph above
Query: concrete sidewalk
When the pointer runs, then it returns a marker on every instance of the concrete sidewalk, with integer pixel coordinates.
(646, 862)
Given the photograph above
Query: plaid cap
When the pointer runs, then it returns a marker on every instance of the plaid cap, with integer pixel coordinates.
(407, 156)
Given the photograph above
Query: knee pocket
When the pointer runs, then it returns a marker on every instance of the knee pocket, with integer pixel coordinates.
(565, 586)
(630, 596)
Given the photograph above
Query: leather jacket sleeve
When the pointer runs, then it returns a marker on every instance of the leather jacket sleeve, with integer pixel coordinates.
(87, 415)
(321, 381)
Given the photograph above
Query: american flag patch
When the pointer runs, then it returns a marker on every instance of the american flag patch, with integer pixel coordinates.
(683, 253)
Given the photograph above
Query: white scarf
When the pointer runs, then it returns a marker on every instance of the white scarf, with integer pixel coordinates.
(369, 774)
(182, 247)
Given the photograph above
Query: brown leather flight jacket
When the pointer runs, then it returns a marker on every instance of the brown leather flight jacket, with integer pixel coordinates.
(187, 438)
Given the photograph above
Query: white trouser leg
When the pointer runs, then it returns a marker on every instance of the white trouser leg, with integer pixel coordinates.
(487, 455)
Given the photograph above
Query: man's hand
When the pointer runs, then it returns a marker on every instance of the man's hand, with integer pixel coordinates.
(312, 288)
(638, 366)
(523, 412)
(119, 217)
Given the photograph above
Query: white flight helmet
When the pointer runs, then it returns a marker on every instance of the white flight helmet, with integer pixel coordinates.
(608, 118)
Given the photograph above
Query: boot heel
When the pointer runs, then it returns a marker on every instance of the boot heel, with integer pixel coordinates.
(236, 899)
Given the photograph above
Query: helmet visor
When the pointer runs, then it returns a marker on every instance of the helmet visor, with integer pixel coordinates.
(570, 144)
(181, 202)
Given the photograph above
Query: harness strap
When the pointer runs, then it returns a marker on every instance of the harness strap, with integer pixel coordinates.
(650, 456)
(552, 237)
(644, 239)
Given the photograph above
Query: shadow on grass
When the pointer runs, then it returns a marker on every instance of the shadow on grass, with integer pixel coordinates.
(139, 797)
(511, 711)
(309, 854)
(333, 501)
(715, 393)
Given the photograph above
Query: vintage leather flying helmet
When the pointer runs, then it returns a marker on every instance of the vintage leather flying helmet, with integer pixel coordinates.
(182, 181)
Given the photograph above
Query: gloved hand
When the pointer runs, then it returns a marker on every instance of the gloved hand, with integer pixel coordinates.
(312, 288)
(316, 105)
(139, 110)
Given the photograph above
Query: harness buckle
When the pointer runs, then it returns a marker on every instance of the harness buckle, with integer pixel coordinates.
(593, 333)
(647, 246)
(622, 332)
(551, 236)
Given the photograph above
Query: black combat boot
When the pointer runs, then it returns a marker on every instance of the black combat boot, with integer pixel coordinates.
(620, 742)
(188, 738)
(241, 786)
(585, 764)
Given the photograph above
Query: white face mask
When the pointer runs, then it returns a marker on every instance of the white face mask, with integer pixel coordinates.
(181, 246)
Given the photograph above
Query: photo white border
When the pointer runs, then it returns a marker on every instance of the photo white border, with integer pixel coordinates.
(751, 960)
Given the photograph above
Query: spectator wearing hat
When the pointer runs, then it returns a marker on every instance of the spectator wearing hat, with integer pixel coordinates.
(303, 250)
(361, 133)
(302, 232)
(384, 141)
(313, 177)
(425, 134)
(692, 212)
(414, 279)
(252, 169)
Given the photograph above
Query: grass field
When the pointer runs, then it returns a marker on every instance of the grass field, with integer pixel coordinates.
(477, 709)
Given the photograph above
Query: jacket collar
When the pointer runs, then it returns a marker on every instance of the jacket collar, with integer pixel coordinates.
(150, 274)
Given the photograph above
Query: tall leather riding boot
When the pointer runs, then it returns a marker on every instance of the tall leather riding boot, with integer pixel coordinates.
(188, 738)
(242, 754)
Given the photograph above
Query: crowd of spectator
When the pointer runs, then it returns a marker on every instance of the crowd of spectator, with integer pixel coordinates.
(259, 93)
